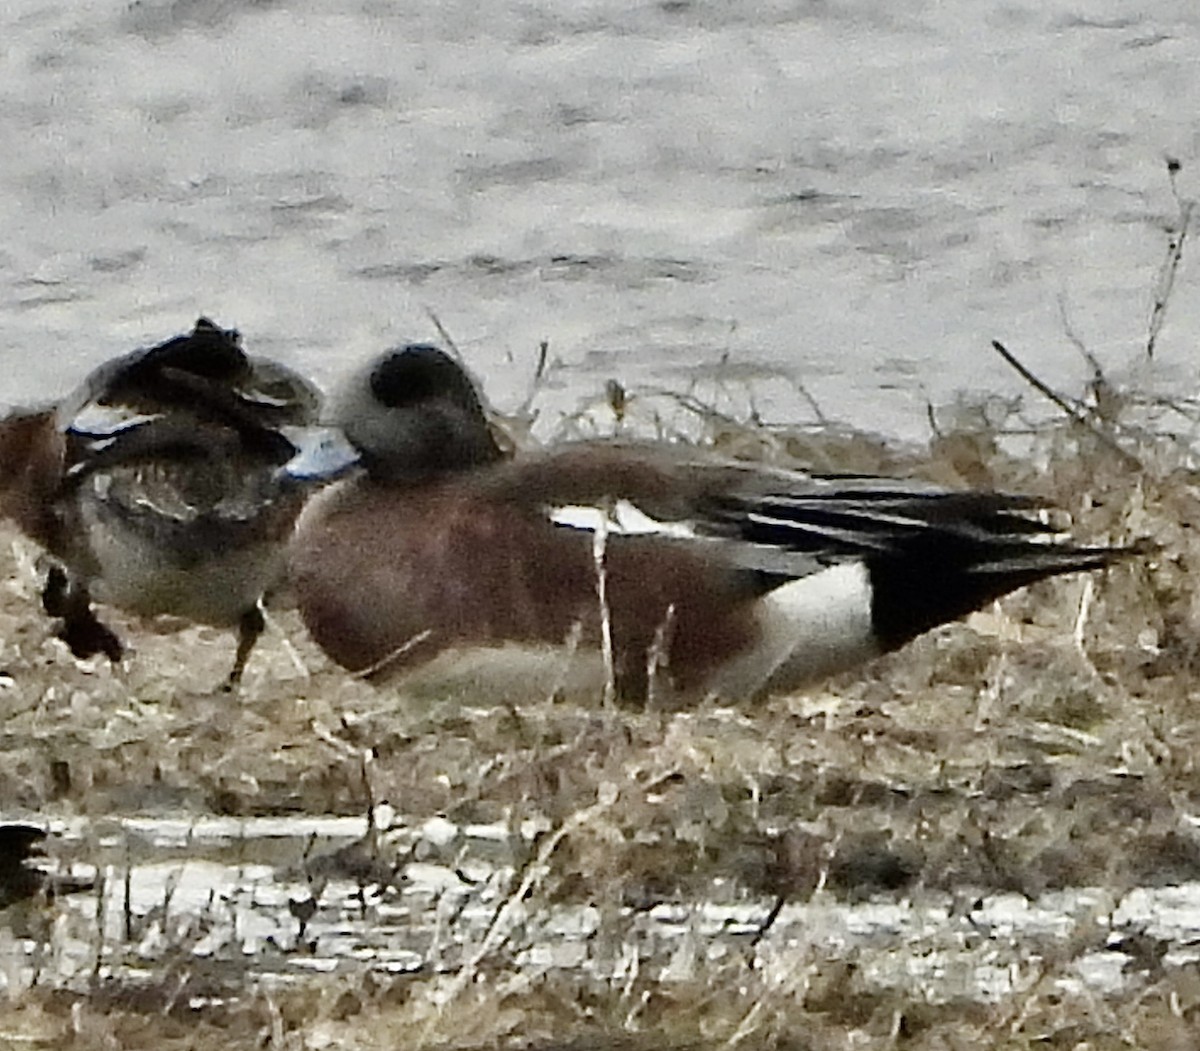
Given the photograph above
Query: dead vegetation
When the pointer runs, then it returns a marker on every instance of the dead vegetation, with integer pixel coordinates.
(1046, 744)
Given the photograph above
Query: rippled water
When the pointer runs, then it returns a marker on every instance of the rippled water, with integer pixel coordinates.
(844, 192)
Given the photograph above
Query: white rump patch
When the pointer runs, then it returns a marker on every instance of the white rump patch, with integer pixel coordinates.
(621, 519)
(810, 628)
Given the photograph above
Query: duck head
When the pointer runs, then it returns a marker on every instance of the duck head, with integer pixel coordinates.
(414, 413)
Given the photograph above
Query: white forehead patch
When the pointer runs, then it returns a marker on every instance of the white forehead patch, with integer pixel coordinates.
(620, 519)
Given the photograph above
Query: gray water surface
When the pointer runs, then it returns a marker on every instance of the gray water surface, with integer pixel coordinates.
(844, 193)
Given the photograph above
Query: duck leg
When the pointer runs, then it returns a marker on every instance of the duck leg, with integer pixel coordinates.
(250, 627)
(81, 630)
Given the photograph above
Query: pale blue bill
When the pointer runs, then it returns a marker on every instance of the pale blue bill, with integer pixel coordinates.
(322, 453)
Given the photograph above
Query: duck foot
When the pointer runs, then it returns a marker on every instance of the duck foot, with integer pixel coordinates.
(81, 630)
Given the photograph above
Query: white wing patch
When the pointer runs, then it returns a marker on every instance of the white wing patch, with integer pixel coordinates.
(108, 421)
(621, 519)
(101, 428)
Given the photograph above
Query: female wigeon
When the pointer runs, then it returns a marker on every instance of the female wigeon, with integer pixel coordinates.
(159, 487)
(686, 572)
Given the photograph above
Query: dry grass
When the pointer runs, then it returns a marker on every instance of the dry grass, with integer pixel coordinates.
(1047, 743)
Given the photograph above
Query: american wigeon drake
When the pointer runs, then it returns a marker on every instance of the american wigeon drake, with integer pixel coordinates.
(717, 577)
(158, 487)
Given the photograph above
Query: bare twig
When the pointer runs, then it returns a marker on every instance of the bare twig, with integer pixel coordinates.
(525, 412)
(931, 414)
(101, 916)
(511, 909)
(599, 559)
(127, 902)
(1166, 275)
(694, 405)
(1078, 413)
(539, 373)
(618, 399)
(293, 654)
(813, 404)
(441, 331)
(769, 920)
(1098, 377)
(658, 656)
(398, 653)
(1071, 408)
(1086, 598)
